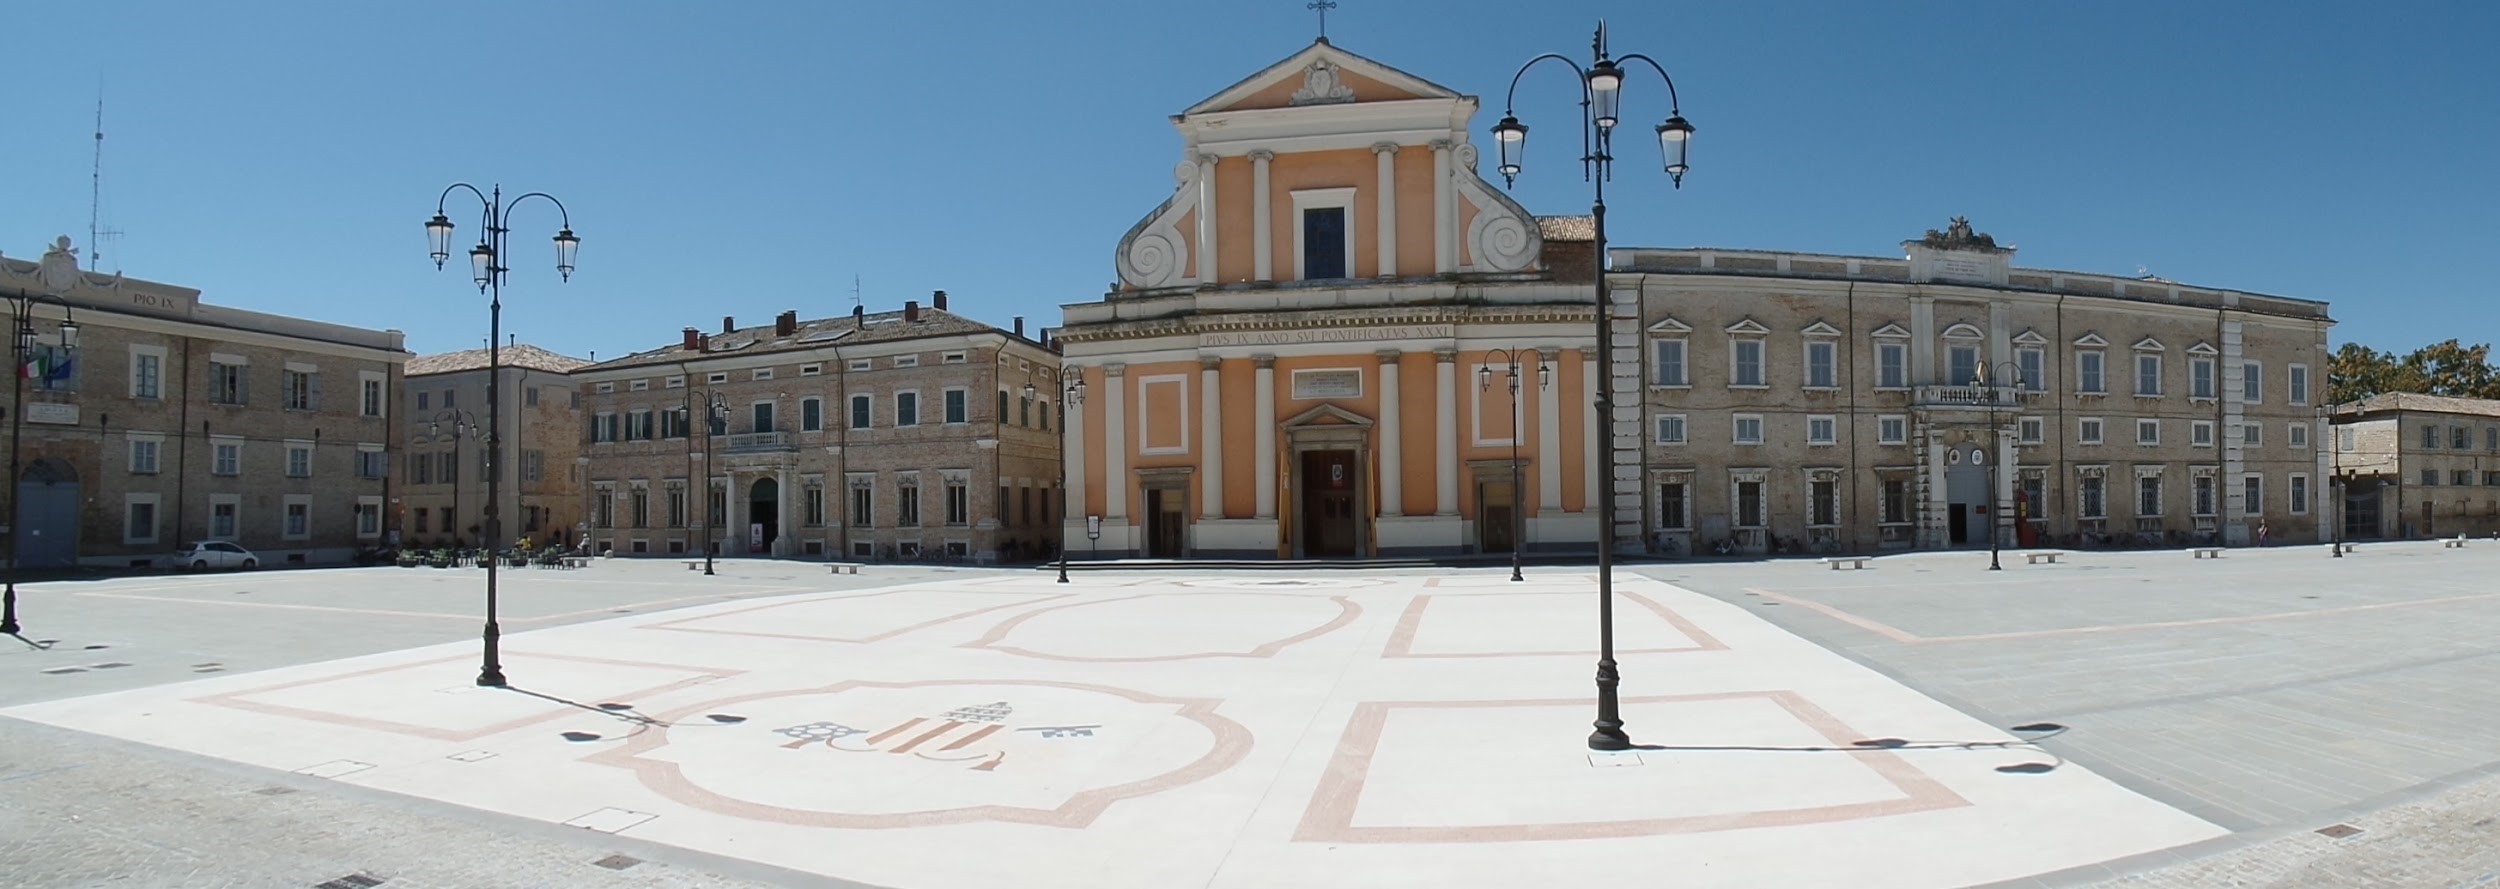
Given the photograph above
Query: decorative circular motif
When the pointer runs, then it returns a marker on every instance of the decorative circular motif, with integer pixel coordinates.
(1153, 258)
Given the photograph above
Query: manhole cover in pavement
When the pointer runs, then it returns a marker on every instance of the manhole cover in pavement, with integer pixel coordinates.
(2339, 831)
(618, 862)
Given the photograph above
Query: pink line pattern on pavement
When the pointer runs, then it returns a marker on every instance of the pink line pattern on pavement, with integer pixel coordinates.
(239, 700)
(1347, 613)
(1402, 640)
(672, 625)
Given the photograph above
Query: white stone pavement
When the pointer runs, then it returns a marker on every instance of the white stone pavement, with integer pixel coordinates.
(1249, 730)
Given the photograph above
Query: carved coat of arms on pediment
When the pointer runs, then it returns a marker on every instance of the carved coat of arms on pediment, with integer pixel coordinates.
(1321, 86)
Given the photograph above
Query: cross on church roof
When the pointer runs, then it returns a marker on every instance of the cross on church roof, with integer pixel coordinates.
(1322, 6)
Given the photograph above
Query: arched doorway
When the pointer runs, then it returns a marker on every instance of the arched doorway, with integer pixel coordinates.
(48, 502)
(763, 515)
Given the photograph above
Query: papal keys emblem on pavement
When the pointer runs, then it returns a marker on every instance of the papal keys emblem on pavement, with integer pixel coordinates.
(977, 735)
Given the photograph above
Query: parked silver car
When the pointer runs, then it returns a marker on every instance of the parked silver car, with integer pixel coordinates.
(205, 554)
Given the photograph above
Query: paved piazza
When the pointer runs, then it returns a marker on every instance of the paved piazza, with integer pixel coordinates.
(937, 728)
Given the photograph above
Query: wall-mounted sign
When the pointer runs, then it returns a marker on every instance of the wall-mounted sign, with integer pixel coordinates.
(1330, 383)
(1093, 527)
(53, 412)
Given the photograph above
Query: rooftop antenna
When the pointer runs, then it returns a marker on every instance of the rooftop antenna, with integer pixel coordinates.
(96, 232)
(855, 291)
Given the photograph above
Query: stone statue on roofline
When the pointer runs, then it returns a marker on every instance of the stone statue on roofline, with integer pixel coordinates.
(1957, 235)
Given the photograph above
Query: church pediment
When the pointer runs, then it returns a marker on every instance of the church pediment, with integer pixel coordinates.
(1321, 74)
(1328, 415)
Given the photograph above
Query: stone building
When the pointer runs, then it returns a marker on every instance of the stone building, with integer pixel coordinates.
(888, 436)
(2417, 465)
(174, 420)
(443, 475)
(1806, 402)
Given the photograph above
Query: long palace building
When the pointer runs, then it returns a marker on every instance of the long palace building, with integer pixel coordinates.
(1314, 343)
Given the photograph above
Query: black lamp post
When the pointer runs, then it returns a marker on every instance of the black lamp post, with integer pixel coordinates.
(1996, 436)
(1601, 98)
(2342, 483)
(463, 425)
(486, 267)
(715, 413)
(1072, 393)
(22, 311)
(1518, 484)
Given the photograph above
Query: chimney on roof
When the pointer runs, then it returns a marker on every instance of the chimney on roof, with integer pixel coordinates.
(859, 315)
(694, 340)
(786, 323)
(728, 324)
(938, 300)
(1019, 325)
(911, 311)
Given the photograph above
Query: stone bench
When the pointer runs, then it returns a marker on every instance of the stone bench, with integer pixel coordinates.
(1855, 563)
(2037, 558)
(2452, 543)
(844, 567)
(2339, 548)
(692, 564)
(2207, 552)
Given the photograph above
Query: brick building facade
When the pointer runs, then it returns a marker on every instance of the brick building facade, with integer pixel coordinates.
(2417, 466)
(444, 470)
(888, 436)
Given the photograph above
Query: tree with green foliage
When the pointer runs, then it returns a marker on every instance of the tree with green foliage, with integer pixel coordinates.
(2448, 368)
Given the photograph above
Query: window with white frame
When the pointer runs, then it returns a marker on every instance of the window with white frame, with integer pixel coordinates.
(2201, 433)
(906, 408)
(2201, 378)
(299, 459)
(1895, 492)
(811, 414)
(2253, 494)
(147, 372)
(371, 402)
(862, 409)
(2148, 501)
(2091, 498)
(229, 382)
(958, 406)
(1822, 429)
(2252, 434)
(762, 373)
(2088, 430)
(861, 364)
(958, 499)
(2460, 437)
(2147, 431)
(1892, 429)
(2031, 430)
(2430, 437)
(2034, 364)
(139, 517)
(1675, 503)
(1323, 233)
(1961, 364)
(2252, 382)
(2299, 391)
(2298, 491)
(954, 357)
(227, 456)
(144, 450)
(2297, 435)
(907, 499)
(1671, 429)
(297, 517)
(1748, 429)
(1892, 365)
(1667, 355)
(225, 515)
(2088, 379)
(2148, 374)
(639, 386)
(1749, 499)
(907, 361)
(812, 369)
(1822, 498)
(1822, 364)
(1745, 363)
(2201, 493)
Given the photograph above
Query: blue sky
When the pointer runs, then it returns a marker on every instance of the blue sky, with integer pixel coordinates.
(746, 158)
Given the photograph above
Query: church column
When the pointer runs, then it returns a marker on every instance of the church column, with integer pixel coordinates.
(1445, 432)
(1115, 442)
(1206, 219)
(1392, 439)
(1262, 238)
(1263, 423)
(1548, 437)
(1444, 211)
(1387, 198)
(1211, 436)
(1072, 457)
(1588, 448)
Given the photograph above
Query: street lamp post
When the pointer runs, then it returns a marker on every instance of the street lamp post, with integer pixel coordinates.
(463, 425)
(487, 268)
(22, 311)
(1601, 98)
(715, 412)
(1996, 442)
(1071, 395)
(1518, 484)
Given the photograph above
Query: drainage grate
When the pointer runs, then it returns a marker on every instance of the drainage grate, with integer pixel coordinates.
(351, 881)
(618, 862)
(2339, 831)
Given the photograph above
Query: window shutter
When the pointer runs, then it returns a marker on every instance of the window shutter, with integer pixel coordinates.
(316, 389)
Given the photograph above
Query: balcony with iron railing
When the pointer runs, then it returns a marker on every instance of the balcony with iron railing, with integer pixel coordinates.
(759, 443)
(1970, 396)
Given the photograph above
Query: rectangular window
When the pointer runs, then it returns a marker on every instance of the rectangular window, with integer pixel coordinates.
(861, 406)
(1823, 502)
(2491, 438)
(2088, 372)
(1896, 496)
(223, 518)
(958, 503)
(422, 523)
(1749, 504)
(676, 504)
(761, 373)
(762, 415)
(2252, 435)
(1323, 243)
(529, 394)
(143, 453)
(298, 521)
(2430, 478)
(2032, 430)
(424, 401)
(1748, 363)
(602, 509)
(227, 383)
(368, 517)
(1001, 416)
(2088, 430)
(147, 376)
(907, 502)
(298, 390)
(2460, 437)
(2252, 383)
(1961, 365)
(2200, 378)
(2148, 375)
(2461, 477)
(1024, 411)
(1892, 366)
(1671, 509)
(229, 459)
(448, 396)
(1044, 414)
(372, 400)
(139, 519)
(815, 503)
(448, 466)
(1748, 429)
(2299, 492)
(1669, 355)
(2148, 495)
(2147, 432)
(1671, 429)
(2430, 437)
(1892, 430)
(1821, 364)
(863, 504)
(2202, 489)
(2034, 365)
(2253, 495)
(811, 415)
(860, 364)
(1822, 429)
(2092, 498)
(907, 409)
(2201, 433)
(958, 406)
(640, 509)
(2299, 391)
(299, 461)
(2297, 435)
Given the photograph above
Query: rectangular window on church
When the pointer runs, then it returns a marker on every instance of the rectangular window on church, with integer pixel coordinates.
(1323, 243)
